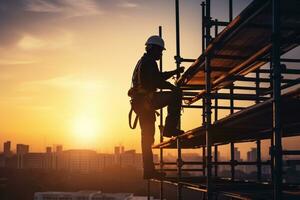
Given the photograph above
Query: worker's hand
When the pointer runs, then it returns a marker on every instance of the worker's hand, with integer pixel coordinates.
(180, 69)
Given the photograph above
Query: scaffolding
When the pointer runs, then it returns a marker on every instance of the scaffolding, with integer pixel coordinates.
(240, 53)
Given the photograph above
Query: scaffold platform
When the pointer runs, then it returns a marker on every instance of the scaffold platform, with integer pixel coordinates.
(249, 124)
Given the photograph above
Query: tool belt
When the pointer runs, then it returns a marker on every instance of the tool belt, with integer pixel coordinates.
(139, 96)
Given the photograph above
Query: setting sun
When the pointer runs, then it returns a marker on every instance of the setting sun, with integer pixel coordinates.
(85, 129)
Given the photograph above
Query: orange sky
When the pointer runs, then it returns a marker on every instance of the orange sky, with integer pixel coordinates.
(66, 67)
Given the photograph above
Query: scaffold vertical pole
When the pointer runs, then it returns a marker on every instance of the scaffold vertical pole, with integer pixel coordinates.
(161, 131)
(230, 10)
(203, 100)
(208, 103)
(258, 142)
(203, 28)
(216, 112)
(178, 62)
(216, 160)
(204, 161)
(232, 159)
(277, 126)
(148, 190)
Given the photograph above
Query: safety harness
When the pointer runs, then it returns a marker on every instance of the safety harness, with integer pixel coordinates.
(135, 91)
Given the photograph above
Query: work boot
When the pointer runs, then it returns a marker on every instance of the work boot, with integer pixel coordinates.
(154, 174)
(172, 132)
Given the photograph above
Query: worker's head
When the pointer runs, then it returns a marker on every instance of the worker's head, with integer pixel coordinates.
(155, 46)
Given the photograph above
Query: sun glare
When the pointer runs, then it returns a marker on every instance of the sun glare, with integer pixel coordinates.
(85, 129)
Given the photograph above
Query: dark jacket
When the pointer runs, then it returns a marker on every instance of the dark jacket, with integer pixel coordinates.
(146, 75)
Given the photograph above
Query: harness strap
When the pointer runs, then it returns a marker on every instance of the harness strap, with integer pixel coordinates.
(132, 126)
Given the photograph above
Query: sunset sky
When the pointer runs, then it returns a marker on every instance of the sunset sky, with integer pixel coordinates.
(66, 65)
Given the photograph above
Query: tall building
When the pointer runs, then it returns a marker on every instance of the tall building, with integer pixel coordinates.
(252, 154)
(59, 148)
(117, 150)
(6, 148)
(251, 157)
(48, 150)
(237, 154)
(22, 149)
(49, 158)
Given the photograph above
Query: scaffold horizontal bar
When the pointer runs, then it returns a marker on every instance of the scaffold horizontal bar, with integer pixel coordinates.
(250, 79)
(186, 170)
(291, 152)
(219, 107)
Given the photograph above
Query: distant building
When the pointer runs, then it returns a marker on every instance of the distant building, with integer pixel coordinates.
(59, 148)
(34, 161)
(22, 149)
(88, 195)
(251, 157)
(237, 154)
(6, 149)
(117, 150)
(48, 150)
(81, 161)
(132, 159)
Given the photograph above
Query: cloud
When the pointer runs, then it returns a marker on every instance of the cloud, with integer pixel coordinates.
(69, 8)
(42, 6)
(128, 5)
(29, 42)
(40, 17)
(16, 62)
(68, 82)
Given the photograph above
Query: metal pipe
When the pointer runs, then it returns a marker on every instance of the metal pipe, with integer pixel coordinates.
(178, 62)
(204, 160)
(148, 190)
(231, 91)
(286, 71)
(202, 26)
(214, 107)
(235, 162)
(277, 124)
(258, 159)
(258, 143)
(216, 160)
(232, 161)
(161, 125)
(216, 28)
(208, 105)
(250, 79)
(230, 10)
(291, 152)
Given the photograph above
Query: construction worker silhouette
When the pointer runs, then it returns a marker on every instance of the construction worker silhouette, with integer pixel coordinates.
(145, 100)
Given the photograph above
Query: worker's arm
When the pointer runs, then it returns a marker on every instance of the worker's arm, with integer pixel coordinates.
(152, 78)
(163, 84)
(169, 74)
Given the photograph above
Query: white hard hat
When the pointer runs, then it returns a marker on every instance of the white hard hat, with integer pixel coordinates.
(155, 39)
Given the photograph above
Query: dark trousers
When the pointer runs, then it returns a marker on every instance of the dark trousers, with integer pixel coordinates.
(147, 120)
